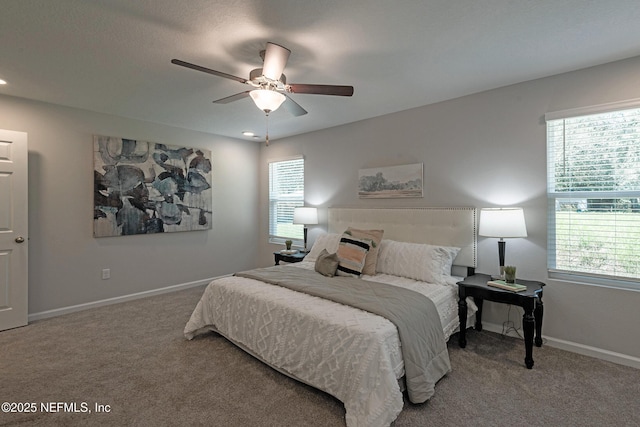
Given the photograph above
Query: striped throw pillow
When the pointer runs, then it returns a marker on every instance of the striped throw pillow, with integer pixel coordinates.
(352, 254)
(372, 256)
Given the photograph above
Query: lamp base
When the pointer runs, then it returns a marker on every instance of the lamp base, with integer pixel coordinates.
(305, 238)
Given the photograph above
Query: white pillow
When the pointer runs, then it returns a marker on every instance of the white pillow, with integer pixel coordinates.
(328, 241)
(418, 261)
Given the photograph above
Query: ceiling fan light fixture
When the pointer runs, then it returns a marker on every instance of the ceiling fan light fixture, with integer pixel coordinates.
(267, 100)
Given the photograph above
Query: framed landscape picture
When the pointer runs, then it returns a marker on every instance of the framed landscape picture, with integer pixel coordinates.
(143, 187)
(391, 182)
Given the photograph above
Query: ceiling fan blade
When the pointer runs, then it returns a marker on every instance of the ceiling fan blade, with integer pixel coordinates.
(208, 70)
(294, 108)
(275, 58)
(232, 98)
(320, 89)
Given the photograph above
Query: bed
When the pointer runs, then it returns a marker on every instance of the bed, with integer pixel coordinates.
(352, 353)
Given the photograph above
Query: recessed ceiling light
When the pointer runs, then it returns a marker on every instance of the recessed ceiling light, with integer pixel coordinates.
(2, 82)
(248, 133)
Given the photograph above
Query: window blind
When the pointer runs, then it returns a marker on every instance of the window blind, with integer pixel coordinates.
(286, 192)
(593, 164)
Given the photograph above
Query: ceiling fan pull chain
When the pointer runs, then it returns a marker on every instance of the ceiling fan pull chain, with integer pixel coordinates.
(267, 137)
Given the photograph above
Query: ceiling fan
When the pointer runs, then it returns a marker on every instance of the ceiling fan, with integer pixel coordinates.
(270, 86)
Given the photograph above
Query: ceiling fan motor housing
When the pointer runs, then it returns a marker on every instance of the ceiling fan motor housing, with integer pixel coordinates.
(257, 79)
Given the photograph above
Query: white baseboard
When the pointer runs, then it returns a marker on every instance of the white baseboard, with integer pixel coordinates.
(598, 353)
(72, 309)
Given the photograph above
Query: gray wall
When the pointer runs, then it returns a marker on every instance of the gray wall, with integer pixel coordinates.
(65, 261)
(482, 150)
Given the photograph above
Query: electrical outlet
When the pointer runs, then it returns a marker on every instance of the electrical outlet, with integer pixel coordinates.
(106, 273)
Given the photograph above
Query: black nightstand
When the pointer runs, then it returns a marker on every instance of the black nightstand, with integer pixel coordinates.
(297, 257)
(530, 300)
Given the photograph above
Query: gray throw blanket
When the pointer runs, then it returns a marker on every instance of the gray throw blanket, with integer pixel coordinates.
(424, 349)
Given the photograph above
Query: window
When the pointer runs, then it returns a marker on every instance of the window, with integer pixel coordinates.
(593, 188)
(286, 192)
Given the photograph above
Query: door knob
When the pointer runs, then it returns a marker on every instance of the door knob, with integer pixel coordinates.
(19, 239)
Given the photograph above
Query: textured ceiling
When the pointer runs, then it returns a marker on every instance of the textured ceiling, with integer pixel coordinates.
(113, 56)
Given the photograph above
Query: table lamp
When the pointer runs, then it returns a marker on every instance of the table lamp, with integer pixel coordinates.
(502, 223)
(305, 216)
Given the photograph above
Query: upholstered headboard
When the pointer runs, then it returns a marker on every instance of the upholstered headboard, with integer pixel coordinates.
(436, 226)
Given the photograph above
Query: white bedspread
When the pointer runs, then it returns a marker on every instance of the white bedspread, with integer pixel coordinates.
(351, 354)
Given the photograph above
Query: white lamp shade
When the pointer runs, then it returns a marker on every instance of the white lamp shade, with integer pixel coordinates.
(502, 222)
(305, 216)
(267, 100)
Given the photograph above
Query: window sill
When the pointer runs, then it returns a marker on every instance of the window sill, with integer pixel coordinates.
(298, 244)
(593, 280)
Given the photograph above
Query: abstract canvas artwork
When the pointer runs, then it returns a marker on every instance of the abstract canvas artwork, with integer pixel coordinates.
(143, 187)
(391, 182)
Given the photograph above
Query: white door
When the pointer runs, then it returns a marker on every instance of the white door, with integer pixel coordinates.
(13, 229)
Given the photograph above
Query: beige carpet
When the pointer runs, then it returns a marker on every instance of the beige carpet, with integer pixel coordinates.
(132, 359)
